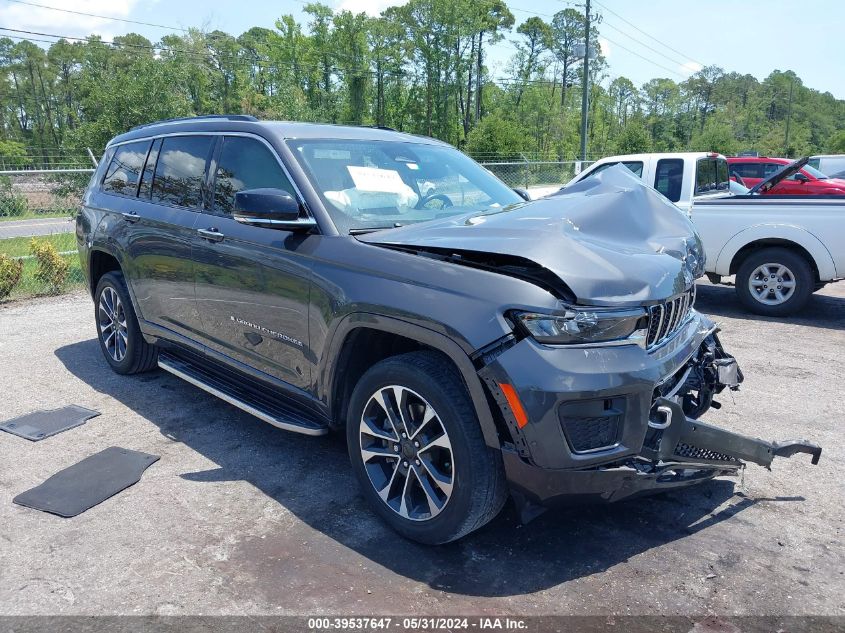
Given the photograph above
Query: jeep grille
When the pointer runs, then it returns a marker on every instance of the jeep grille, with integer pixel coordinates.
(666, 318)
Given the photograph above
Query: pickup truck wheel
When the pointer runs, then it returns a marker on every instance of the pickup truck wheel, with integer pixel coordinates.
(417, 450)
(120, 338)
(774, 282)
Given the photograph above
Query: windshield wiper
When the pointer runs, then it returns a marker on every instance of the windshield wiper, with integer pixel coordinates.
(372, 229)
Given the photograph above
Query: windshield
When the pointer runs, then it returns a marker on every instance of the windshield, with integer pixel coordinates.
(815, 173)
(382, 184)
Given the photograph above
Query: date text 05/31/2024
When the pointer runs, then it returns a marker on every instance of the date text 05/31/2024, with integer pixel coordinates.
(416, 623)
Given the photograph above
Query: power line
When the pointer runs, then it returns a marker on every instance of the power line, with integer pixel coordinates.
(102, 17)
(651, 37)
(650, 61)
(641, 43)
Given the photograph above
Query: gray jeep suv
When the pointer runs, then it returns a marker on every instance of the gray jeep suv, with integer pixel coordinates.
(472, 344)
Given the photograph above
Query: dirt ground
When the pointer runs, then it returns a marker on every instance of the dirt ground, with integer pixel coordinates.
(240, 518)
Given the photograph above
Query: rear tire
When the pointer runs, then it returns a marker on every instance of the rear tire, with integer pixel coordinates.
(439, 482)
(121, 341)
(774, 282)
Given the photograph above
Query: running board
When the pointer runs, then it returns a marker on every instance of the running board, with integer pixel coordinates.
(264, 407)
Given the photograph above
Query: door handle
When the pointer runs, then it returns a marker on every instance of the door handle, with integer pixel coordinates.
(131, 216)
(212, 235)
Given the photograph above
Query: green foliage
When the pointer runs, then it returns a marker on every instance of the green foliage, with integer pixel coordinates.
(498, 136)
(10, 274)
(12, 204)
(634, 139)
(420, 68)
(837, 143)
(13, 154)
(52, 268)
(715, 137)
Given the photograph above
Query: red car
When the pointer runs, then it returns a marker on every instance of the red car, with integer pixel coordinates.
(807, 182)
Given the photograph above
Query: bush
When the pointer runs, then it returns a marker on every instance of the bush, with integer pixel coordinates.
(52, 268)
(11, 204)
(10, 274)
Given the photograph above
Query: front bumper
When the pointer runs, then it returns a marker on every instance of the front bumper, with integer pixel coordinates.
(619, 399)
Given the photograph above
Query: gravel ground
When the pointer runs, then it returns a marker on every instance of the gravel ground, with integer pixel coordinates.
(240, 518)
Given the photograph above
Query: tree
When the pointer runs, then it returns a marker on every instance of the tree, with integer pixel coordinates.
(538, 40)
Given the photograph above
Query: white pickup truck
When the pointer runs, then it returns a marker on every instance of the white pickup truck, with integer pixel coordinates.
(781, 248)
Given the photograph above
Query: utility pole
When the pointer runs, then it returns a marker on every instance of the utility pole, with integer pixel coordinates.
(788, 119)
(585, 84)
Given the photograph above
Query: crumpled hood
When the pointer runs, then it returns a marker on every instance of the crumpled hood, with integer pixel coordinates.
(609, 238)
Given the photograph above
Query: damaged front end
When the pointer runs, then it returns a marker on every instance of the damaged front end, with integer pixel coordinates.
(676, 450)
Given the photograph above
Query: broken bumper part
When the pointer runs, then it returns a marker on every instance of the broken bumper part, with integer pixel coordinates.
(688, 452)
(695, 441)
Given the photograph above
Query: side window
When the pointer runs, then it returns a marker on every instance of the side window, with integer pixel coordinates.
(245, 163)
(636, 168)
(669, 177)
(145, 188)
(180, 170)
(125, 168)
(770, 168)
(746, 170)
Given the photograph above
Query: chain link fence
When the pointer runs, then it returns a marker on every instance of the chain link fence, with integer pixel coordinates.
(539, 177)
(37, 246)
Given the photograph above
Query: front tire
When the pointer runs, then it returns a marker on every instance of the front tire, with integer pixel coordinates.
(121, 341)
(774, 282)
(417, 450)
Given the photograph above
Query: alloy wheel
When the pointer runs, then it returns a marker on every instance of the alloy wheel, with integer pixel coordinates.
(407, 453)
(111, 320)
(772, 284)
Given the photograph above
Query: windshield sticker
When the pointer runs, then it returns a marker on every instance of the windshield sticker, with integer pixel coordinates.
(413, 166)
(375, 179)
(333, 154)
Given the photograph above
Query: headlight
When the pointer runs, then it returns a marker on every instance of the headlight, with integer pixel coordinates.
(586, 325)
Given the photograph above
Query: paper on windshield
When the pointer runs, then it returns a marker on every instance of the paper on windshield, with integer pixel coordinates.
(375, 179)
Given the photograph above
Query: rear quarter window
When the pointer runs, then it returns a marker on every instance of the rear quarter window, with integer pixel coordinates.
(125, 168)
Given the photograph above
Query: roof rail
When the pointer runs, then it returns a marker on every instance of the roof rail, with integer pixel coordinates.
(202, 117)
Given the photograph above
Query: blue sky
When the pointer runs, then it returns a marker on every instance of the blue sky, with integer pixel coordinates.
(663, 38)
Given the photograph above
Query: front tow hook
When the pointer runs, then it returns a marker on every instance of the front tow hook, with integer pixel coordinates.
(687, 440)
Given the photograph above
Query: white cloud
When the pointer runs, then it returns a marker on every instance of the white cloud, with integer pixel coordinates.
(370, 7)
(691, 67)
(604, 45)
(29, 18)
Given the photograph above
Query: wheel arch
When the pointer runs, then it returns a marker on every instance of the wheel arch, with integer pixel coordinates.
(362, 339)
(793, 238)
(100, 262)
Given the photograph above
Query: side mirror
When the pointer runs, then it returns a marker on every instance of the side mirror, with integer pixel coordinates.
(522, 193)
(801, 177)
(270, 208)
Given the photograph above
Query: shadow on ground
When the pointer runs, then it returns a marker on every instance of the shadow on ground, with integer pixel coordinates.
(822, 311)
(311, 478)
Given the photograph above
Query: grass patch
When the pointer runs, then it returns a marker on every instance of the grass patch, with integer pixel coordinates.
(32, 215)
(19, 246)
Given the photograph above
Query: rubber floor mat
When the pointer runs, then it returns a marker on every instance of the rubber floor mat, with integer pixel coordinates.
(85, 484)
(41, 424)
